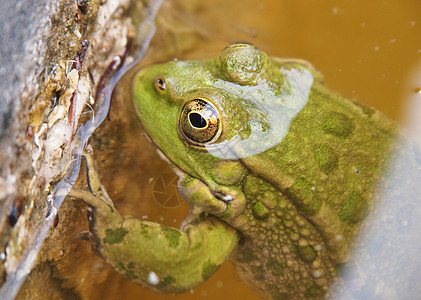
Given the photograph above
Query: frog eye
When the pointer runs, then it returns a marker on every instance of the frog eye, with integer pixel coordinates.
(160, 84)
(199, 122)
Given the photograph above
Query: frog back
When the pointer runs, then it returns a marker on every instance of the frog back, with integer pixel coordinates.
(330, 161)
(308, 195)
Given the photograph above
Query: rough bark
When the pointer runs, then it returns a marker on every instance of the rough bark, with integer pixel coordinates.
(53, 55)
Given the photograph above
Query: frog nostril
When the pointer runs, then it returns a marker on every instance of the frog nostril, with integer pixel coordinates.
(160, 84)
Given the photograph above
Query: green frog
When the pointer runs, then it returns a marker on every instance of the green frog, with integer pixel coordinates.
(280, 173)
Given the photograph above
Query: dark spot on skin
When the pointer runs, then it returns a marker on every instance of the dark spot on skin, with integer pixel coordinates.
(208, 269)
(276, 266)
(314, 292)
(172, 236)
(131, 265)
(294, 249)
(301, 194)
(246, 255)
(258, 272)
(326, 158)
(144, 229)
(130, 274)
(354, 208)
(338, 124)
(307, 253)
(194, 223)
(260, 212)
(169, 280)
(115, 236)
(196, 246)
(120, 266)
(366, 110)
(127, 271)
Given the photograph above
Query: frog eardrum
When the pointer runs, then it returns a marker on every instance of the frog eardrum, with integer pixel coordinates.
(199, 122)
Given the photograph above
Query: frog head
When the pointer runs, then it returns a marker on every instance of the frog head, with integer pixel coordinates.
(205, 116)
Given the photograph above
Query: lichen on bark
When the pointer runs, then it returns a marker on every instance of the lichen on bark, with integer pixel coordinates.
(53, 56)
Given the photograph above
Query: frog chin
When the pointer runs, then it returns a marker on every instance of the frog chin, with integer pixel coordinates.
(219, 198)
(180, 173)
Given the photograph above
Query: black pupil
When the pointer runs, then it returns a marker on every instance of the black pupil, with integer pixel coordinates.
(197, 120)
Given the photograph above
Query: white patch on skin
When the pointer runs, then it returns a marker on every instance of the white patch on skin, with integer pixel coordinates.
(227, 198)
(268, 132)
(153, 279)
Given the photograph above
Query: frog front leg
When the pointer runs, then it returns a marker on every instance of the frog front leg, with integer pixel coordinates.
(161, 258)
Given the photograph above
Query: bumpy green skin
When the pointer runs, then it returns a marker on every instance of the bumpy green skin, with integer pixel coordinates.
(295, 207)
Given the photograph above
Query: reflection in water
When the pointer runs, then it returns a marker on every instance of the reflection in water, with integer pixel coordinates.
(279, 107)
(387, 264)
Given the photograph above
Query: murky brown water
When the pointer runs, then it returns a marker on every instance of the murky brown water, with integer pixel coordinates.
(365, 49)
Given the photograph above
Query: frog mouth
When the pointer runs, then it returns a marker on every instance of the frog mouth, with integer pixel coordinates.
(179, 172)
